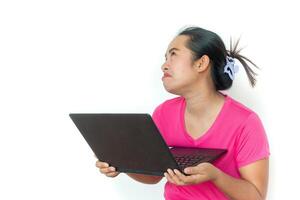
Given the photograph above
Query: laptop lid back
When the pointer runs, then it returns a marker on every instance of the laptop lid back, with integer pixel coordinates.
(125, 140)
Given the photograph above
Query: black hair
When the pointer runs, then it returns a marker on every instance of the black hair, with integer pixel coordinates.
(204, 42)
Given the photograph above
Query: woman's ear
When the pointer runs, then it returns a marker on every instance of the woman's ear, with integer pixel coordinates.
(202, 64)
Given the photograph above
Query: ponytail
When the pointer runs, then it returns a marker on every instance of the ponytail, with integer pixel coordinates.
(234, 52)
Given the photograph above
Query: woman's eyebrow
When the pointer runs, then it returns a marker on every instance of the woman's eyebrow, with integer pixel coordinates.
(171, 50)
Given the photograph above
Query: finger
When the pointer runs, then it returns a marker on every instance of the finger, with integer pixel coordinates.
(101, 164)
(104, 170)
(112, 174)
(168, 177)
(170, 172)
(112, 169)
(199, 169)
(183, 178)
(175, 177)
(107, 170)
(180, 176)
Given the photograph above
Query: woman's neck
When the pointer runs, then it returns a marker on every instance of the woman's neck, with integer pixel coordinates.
(201, 103)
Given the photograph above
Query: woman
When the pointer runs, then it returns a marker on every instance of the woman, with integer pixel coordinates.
(197, 67)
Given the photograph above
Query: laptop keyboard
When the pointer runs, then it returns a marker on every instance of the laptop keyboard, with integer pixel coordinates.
(188, 160)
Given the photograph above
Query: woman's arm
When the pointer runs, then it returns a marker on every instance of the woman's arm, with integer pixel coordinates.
(253, 185)
(147, 179)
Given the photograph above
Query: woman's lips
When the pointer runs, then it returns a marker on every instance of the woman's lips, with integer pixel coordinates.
(166, 75)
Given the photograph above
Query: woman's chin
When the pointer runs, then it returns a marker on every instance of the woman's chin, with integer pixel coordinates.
(169, 89)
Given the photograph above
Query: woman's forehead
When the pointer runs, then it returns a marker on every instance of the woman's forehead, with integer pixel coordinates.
(178, 43)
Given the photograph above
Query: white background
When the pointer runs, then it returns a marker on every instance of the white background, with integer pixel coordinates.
(61, 56)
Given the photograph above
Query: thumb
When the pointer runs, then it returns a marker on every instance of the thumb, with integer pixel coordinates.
(191, 170)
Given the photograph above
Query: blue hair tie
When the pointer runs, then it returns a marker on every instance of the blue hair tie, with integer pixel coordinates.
(231, 67)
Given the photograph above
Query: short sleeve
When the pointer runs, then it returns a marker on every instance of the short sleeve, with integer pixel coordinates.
(252, 144)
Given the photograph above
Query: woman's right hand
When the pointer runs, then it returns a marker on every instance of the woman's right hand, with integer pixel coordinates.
(107, 170)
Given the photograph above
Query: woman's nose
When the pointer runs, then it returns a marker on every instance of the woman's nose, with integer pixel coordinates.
(164, 67)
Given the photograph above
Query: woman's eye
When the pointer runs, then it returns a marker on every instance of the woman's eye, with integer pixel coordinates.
(172, 53)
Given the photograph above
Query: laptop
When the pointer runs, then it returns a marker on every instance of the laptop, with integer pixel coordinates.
(133, 144)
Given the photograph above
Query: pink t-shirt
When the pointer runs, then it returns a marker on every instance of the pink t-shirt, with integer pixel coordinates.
(236, 128)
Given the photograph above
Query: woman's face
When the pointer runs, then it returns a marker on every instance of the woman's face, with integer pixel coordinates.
(179, 66)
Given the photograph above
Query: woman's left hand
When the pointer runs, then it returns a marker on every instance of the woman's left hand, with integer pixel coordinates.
(197, 174)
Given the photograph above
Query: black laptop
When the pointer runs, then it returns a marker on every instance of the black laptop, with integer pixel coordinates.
(132, 143)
